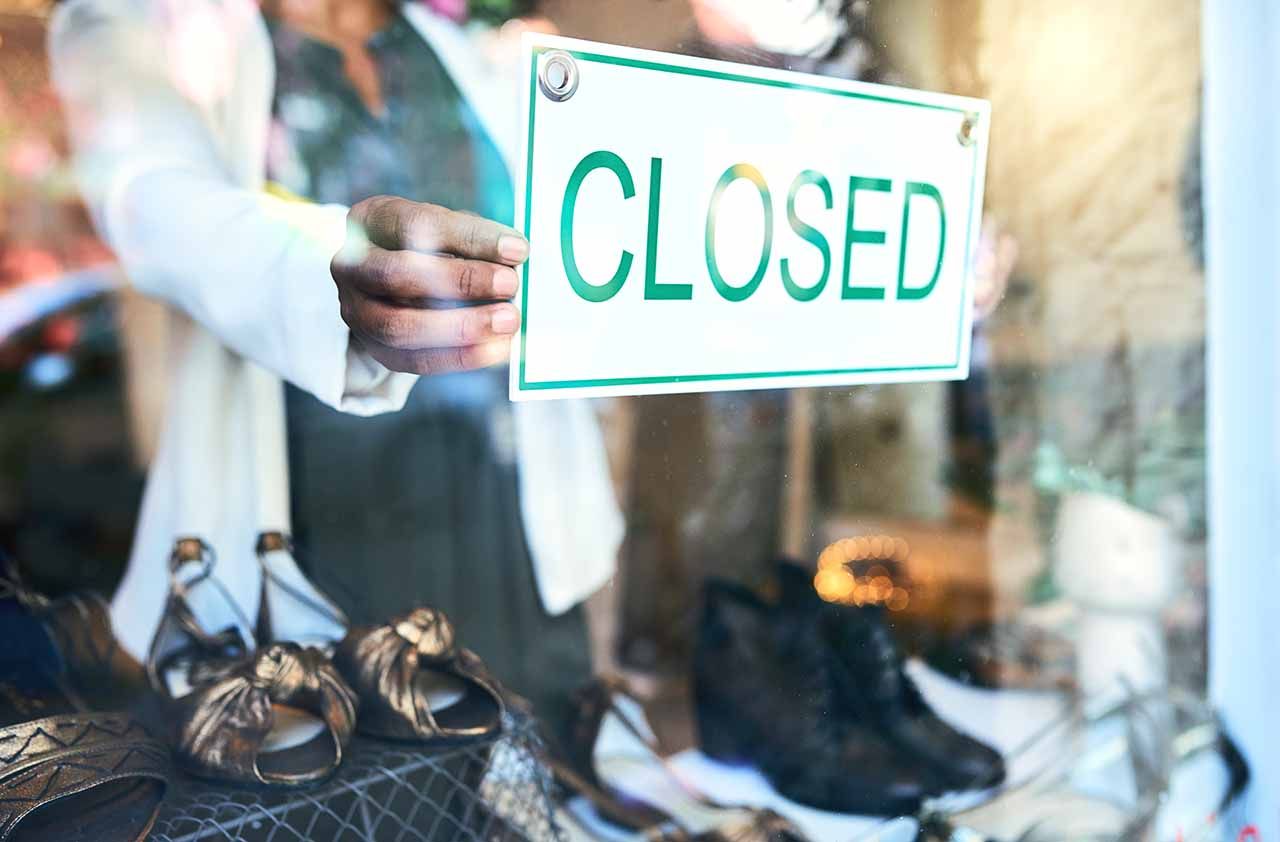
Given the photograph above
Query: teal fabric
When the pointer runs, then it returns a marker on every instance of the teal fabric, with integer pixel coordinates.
(418, 507)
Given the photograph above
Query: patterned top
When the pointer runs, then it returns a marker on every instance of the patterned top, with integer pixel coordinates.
(426, 145)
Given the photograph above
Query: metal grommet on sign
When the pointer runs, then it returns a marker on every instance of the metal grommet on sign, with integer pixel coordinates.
(967, 128)
(558, 75)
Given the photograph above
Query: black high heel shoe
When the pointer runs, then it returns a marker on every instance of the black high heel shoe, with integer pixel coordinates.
(280, 716)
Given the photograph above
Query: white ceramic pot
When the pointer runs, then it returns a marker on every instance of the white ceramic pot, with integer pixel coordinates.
(1110, 555)
(1119, 564)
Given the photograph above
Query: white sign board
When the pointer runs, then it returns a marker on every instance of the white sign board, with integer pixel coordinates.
(698, 225)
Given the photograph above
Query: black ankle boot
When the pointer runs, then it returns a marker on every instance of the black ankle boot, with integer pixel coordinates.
(873, 686)
(768, 698)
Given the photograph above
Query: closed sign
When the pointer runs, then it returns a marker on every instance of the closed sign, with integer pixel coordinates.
(698, 225)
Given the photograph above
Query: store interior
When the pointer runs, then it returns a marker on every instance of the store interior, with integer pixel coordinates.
(951, 611)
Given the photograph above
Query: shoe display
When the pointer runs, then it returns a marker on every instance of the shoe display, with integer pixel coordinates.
(769, 694)
(67, 772)
(874, 688)
(280, 716)
(416, 683)
(613, 749)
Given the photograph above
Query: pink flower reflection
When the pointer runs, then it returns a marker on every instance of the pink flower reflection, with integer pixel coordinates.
(24, 263)
(30, 158)
(453, 9)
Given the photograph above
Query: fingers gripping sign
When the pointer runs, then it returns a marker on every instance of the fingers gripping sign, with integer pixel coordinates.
(425, 289)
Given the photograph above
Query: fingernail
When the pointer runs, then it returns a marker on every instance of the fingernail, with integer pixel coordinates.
(505, 320)
(505, 282)
(512, 248)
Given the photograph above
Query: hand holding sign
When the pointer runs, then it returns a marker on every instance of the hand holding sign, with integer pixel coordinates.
(423, 287)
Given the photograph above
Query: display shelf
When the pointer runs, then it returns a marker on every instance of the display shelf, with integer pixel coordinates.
(487, 791)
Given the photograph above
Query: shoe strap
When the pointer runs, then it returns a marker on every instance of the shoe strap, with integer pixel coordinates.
(182, 555)
(614, 686)
(48, 759)
(653, 824)
(269, 542)
(195, 641)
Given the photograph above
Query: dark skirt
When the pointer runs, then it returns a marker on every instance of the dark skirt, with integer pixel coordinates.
(421, 507)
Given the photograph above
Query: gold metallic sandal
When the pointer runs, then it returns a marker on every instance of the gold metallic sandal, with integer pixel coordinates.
(280, 716)
(249, 726)
(416, 683)
(80, 777)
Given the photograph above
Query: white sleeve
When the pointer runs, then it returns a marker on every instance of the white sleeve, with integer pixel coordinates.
(251, 268)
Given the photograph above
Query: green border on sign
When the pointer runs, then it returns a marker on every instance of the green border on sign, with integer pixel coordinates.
(730, 77)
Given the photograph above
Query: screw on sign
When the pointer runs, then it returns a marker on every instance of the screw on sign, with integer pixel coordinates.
(559, 76)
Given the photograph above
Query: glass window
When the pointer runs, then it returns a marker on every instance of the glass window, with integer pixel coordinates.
(265, 263)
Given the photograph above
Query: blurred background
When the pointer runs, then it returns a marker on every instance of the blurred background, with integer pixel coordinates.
(995, 518)
(1088, 377)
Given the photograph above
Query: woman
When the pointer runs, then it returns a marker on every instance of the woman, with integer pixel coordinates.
(177, 129)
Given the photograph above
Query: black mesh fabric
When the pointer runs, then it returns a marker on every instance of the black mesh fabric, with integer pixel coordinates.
(489, 791)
